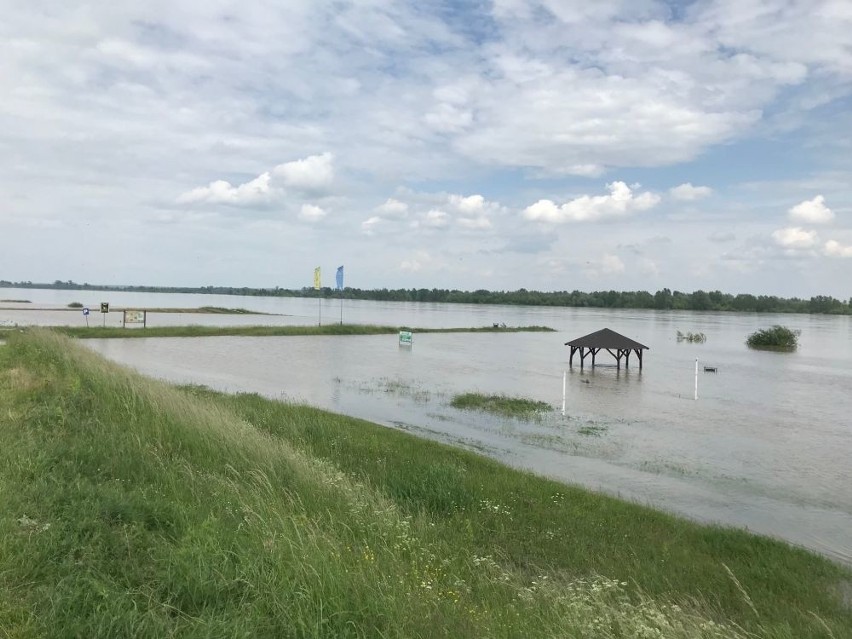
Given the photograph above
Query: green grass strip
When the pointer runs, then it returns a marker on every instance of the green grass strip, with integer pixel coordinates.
(131, 508)
(274, 331)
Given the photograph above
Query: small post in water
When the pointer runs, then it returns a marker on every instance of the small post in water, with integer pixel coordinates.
(696, 378)
(564, 383)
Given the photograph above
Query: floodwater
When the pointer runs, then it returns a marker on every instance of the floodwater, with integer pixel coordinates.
(767, 446)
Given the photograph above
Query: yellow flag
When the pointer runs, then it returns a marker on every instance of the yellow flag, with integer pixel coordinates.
(317, 284)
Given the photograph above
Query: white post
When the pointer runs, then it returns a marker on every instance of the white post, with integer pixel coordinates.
(564, 383)
(696, 378)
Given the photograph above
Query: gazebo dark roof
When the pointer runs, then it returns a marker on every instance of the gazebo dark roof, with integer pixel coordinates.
(605, 338)
(610, 341)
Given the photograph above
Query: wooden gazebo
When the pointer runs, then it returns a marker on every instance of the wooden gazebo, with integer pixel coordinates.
(605, 339)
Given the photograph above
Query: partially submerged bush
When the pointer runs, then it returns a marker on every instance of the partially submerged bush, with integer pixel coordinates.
(776, 338)
(697, 338)
(75, 305)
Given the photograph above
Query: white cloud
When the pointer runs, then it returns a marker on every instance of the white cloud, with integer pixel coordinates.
(611, 264)
(473, 211)
(687, 192)
(621, 202)
(648, 267)
(812, 211)
(469, 205)
(436, 210)
(312, 213)
(773, 29)
(448, 118)
(475, 223)
(722, 236)
(583, 170)
(309, 175)
(795, 238)
(833, 248)
(392, 208)
(313, 173)
(605, 265)
(369, 225)
(436, 219)
(417, 262)
(221, 192)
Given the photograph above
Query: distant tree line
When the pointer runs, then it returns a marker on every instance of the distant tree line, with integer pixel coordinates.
(661, 300)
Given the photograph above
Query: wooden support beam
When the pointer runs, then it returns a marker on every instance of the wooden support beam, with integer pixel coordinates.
(617, 356)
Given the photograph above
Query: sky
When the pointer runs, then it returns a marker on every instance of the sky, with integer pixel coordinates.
(503, 144)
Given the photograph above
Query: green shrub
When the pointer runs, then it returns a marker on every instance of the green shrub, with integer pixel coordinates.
(75, 305)
(696, 338)
(776, 338)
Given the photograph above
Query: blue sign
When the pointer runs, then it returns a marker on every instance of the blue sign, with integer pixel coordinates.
(85, 311)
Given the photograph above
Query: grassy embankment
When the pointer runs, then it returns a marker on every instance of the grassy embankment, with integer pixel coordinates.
(131, 508)
(275, 331)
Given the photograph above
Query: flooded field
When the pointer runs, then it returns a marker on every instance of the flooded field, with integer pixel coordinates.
(766, 446)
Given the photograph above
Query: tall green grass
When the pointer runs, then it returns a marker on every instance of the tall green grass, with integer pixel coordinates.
(518, 407)
(131, 508)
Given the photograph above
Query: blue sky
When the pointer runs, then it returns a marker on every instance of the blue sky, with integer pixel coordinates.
(550, 144)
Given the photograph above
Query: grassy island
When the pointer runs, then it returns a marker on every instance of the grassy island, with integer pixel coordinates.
(131, 508)
(518, 407)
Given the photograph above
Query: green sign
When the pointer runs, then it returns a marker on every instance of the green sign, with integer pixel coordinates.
(405, 337)
(104, 307)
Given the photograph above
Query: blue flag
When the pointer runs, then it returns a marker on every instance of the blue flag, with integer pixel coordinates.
(339, 278)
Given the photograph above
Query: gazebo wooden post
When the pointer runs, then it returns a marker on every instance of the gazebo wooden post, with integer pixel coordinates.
(617, 355)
